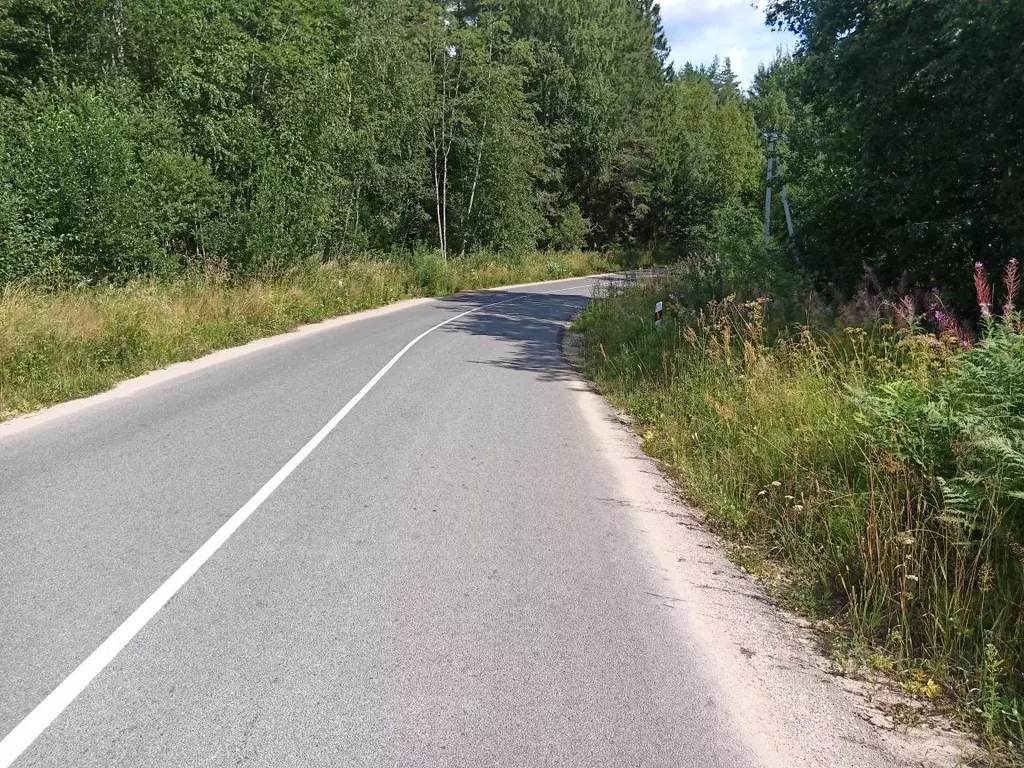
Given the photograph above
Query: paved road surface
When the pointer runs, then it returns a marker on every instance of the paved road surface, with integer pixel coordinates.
(446, 580)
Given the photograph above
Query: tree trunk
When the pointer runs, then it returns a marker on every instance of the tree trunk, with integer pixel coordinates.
(437, 195)
(117, 23)
(476, 180)
(444, 205)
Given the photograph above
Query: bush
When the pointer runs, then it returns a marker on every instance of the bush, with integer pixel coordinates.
(568, 230)
(431, 273)
(96, 176)
(26, 250)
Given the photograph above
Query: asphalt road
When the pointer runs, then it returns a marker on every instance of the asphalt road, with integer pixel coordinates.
(447, 579)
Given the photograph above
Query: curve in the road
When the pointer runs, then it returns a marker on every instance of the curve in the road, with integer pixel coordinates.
(50, 708)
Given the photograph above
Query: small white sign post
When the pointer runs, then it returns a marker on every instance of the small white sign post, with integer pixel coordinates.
(658, 309)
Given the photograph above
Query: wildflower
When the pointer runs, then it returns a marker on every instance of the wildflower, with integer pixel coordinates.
(927, 340)
(1011, 278)
(762, 493)
(986, 579)
(789, 498)
(905, 312)
(908, 304)
(949, 325)
(1018, 550)
(983, 289)
(798, 507)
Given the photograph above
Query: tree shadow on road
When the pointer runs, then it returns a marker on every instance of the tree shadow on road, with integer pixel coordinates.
(532, 323)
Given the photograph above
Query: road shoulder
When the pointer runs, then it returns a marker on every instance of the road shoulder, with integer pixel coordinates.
(767, 662)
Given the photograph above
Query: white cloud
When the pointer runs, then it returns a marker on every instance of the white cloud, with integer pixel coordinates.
(676, 8)
(681, 7)
(698, 30)
(739, 58)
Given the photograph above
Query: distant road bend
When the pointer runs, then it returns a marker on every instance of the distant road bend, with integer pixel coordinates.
(392, 542)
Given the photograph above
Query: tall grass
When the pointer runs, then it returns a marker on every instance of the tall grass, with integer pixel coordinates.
(876, 471)
(57, 345)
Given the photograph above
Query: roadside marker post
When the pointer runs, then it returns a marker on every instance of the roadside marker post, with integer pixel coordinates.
(659, 308)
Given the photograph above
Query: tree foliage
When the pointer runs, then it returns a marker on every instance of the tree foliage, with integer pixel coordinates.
(140, 137)
(909, 137)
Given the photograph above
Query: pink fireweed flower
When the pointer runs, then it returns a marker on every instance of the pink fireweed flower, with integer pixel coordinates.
(983, 290)
(1011, 278)
(909, 305)
(904, 312)
(949, 325)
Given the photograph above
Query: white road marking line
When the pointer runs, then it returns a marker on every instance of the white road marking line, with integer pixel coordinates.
(40, 718)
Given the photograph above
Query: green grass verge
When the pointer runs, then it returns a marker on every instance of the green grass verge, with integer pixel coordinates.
(872, 475)
(59, 345)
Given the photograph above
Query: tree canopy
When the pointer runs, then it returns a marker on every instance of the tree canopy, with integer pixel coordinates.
(908, 138)
(138, 137)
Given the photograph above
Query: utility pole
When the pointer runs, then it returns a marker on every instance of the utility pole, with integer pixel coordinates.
(774, 170)
(789, 214)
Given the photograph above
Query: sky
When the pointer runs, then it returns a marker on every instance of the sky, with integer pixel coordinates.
(698, 30)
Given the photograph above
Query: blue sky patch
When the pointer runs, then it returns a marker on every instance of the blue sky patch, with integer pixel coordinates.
(698, 30)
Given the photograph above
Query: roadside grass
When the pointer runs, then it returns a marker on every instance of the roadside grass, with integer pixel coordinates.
(872, 473)
(56, 345)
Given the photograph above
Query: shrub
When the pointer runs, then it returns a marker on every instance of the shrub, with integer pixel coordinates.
(26, 250)
(96, 175)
